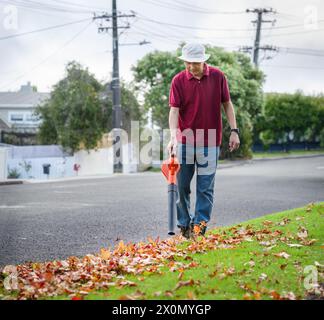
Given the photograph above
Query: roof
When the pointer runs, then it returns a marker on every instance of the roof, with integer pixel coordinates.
(22, 99)
(25, 97)
(3, 125)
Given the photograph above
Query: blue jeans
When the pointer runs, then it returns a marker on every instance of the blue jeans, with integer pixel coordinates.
(206, 160)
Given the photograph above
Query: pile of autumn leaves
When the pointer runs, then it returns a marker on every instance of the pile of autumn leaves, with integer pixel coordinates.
(77, 277)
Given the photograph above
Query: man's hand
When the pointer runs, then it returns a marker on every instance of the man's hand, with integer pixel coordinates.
(172, 146)
(234, 142)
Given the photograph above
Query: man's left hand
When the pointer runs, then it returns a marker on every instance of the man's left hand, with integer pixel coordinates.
(234, 142)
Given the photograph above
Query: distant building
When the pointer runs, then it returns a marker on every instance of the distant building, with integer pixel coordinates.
(17, 109)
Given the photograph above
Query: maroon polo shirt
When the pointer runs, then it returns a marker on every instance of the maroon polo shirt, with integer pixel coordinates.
(200, 103)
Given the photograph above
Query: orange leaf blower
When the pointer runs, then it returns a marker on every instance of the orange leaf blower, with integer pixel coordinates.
(170, 169)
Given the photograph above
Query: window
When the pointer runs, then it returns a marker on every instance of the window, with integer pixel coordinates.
(31, 117)
(17, 117)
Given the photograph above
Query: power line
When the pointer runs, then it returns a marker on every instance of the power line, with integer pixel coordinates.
(34, 5)
(50, 56)
(173, 6)
(142, 17)
(292, 67)
(79, 5)
(43, 29)
(306, 52)
(294, 33)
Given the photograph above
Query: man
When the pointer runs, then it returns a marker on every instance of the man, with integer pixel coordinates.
(195, 121)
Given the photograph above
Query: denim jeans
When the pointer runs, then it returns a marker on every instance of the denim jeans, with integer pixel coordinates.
(205, 159)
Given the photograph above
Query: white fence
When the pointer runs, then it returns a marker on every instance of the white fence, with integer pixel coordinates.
(59, 167)
(3, 163)
(30, 160)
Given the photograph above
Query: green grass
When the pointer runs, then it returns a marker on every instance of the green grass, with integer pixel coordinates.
(210, 280)
(257, 155)
(224, 273)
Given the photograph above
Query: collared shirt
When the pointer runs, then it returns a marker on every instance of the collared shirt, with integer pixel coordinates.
(199, 103)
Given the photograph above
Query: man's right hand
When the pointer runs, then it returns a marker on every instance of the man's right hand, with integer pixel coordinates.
(172, 147)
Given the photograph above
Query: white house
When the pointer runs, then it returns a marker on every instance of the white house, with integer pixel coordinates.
(17, 109)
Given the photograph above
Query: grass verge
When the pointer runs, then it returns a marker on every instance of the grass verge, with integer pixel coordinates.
(260, 155)
(277, 256)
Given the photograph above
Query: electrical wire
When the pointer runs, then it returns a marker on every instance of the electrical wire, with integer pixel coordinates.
(33, 5)
(48, 57)
(43, 29)
(174, 6)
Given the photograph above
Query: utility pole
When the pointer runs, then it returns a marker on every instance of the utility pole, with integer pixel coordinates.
(115, 84)
(256, 49)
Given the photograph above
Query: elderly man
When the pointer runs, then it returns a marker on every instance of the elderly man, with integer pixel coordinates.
(195, 121)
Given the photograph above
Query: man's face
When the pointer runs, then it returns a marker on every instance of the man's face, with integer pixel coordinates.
(196, 68)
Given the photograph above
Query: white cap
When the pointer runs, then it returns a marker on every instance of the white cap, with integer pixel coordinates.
(194, 52)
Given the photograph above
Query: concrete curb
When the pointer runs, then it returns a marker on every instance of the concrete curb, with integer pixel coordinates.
(235, 163)
(11, 182)
(76, 178)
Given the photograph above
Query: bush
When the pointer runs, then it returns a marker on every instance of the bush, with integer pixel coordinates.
(14, 174)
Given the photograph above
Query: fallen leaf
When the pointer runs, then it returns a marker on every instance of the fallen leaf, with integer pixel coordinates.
(262, 277)
(184, 283)
(317, 264)
(268, 243)
(275, 295)
(294, 245)
(289, 296)
(230, 271)
(284, 222)
(251, 263)
(105, 254)
(308, 242)
(282, 254)
(267, 223)
(191, 296)
(168, 294)
(247, 296)
(303, 233)
(257, 295)
(126, 297)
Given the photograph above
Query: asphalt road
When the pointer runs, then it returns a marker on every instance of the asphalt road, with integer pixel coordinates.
(55, 220)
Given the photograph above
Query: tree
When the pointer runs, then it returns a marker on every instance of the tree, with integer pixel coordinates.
(79, 110)
(131, 109)
(154, 72)
(295, 113)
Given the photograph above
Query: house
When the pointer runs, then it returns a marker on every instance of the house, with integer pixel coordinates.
(17, 109)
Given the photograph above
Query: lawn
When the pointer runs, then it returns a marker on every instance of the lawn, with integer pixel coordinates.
(257, 155)
(277, 256)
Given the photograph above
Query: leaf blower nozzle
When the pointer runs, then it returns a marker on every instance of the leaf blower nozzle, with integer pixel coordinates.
(170, 168)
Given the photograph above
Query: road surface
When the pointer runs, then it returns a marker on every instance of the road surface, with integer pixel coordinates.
(46, 221)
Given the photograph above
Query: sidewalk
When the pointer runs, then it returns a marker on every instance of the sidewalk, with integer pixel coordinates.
(226, 164)
(234, 163)
(76, 178)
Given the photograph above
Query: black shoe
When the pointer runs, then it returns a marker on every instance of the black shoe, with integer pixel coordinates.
(185, 232)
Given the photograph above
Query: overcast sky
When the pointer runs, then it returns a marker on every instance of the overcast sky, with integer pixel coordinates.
(41, 57)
